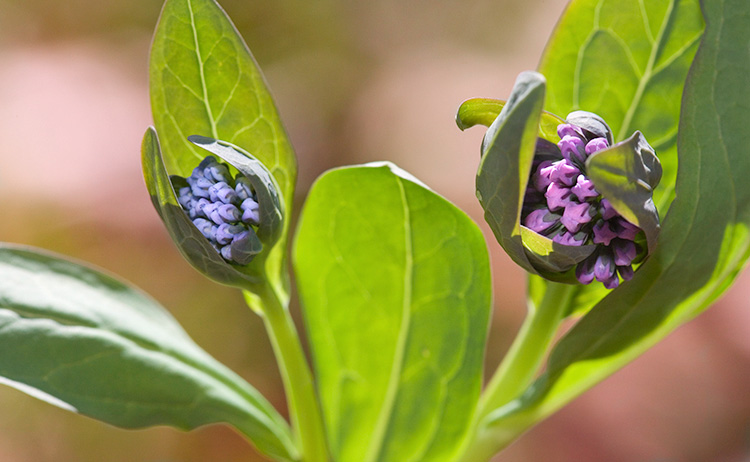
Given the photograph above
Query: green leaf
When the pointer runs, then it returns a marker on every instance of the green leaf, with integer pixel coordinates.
(396, 291)
(626, 62)
(705, 240)
(196, 249)
(626, 175)
(484, 111)
(87, 342)
(204, 81)
(508, 150)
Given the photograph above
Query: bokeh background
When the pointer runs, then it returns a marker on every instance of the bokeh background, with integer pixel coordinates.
(355, 81)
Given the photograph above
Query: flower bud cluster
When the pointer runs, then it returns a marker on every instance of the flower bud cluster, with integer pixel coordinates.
(223, 209)
(562, 204)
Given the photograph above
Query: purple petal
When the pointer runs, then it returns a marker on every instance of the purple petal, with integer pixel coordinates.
(217, 172)
(624, 228)
(626, 272)
(557, 196)
(541, 179)
(226, 252)
(576, 215)
(242, 188)
(564, 130)
(607, 210)
(603, 232)
(539, 220)
(604, 268)
(564, 172)
(584, 188)
(225, 233)
(597, 144)
(585, 270)
(624, 252)
(566, 238)
(229, 213)
(572, 148)
(206, 228)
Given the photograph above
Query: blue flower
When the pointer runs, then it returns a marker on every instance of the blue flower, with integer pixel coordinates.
(225, 210)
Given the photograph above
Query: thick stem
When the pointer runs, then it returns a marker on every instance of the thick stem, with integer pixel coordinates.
(518, 368)
(304, 408)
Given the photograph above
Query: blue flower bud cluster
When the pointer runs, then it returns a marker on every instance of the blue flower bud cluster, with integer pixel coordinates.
(562, 204)
(225, 210)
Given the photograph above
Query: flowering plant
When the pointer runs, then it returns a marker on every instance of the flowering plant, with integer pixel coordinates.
(394, 281)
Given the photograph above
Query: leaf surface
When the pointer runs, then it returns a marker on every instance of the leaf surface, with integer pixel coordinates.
(396, 291)
(626, 62)
(88, 342)
(705, 239)
(204, 81)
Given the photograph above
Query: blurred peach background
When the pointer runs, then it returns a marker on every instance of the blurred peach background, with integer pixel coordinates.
(355, 82)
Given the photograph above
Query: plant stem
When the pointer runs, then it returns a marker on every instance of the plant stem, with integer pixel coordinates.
(302, 399)
(519, 367)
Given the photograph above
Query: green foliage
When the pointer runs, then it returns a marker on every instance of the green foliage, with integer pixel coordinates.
(88, 342)
(704, 242)
(626, 62)
(204, 81)
(396, 288)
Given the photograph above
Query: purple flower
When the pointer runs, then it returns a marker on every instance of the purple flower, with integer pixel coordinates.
(224, 210)
(563, 204)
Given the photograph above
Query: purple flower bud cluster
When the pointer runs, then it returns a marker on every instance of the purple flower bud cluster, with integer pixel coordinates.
(562, 204)
(223, 209)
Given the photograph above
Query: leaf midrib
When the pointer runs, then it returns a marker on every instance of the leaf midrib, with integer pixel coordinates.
(381, 426)
(647, 73)
(201, 72)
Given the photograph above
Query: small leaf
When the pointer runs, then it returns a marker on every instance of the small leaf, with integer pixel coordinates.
(396, 293)
(626, 175)
(87, 342)
(507, 153)
(196, 249)
(204, 80)
(484, 111)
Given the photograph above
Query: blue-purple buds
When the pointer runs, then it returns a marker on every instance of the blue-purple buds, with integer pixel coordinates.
(225, 210)
(562, 203)
(564, 200)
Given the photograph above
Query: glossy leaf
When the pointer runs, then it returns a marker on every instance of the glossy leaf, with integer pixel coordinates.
(204, 81)
(396, 292)
(196, 249)
(626, 175)
(87, 342)
(626, 62)
(484, 111)
(507, 153)
(705, 240)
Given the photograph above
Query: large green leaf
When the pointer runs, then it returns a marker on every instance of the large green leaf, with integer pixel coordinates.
(705, 238)
(204, 81)
(87, 342)
(626, 61)
(396, 291)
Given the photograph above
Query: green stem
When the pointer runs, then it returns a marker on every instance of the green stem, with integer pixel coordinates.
(304, 409)
(519, 367)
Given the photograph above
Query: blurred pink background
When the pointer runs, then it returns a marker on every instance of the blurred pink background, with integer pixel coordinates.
(355, 82)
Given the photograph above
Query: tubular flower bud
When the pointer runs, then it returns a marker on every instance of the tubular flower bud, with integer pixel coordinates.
(225, 210)
(563, 204)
